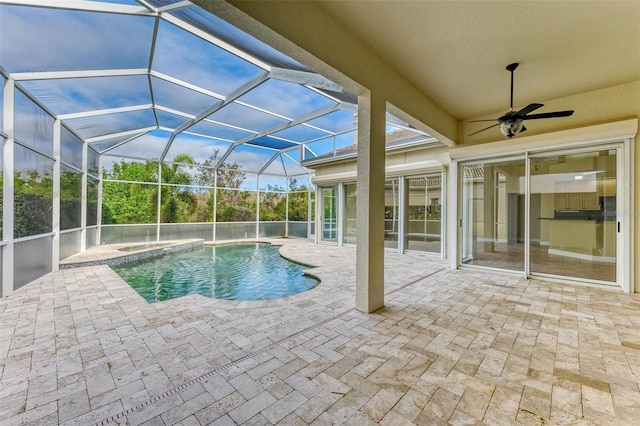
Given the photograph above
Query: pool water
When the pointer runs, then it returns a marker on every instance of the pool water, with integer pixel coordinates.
(231, 272)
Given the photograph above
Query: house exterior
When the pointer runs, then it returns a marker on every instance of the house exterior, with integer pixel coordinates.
(605, 125)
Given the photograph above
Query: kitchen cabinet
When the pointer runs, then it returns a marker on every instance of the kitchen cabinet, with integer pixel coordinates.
(576, 196)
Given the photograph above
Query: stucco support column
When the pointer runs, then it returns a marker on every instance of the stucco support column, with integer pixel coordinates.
(370, 204)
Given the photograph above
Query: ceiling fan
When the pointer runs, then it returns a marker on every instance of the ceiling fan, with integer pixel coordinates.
(512, 122)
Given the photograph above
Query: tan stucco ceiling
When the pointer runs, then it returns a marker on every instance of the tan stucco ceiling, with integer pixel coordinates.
(456, 51)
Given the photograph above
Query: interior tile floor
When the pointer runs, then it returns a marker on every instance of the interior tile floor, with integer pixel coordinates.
(80, 347)
(511, 256)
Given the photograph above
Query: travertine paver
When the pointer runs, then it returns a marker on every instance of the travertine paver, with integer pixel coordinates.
(80, 347)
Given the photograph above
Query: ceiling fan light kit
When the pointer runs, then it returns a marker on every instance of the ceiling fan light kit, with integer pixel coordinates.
(510, 128)
(512, 122)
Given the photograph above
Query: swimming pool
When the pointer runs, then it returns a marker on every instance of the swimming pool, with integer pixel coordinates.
(253, 271)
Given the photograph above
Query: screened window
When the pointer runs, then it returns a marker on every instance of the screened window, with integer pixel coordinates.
(92, 201)
(33, 196)
(33, 126)
(3, 81)
(93, 161)
(1, 184)
(70, 149)
(298, 199)
(70, 180)
(70, 197)
(273, 205)
(184, 204)
(235, 205)
(128, 203)
(127, 169)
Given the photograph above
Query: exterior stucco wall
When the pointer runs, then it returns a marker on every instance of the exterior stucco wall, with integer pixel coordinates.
(292, 27)
(593, 108)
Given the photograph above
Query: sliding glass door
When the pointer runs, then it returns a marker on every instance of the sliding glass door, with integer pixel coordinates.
(574, 230)
(552, 214)
(493, 209)
(423, 229)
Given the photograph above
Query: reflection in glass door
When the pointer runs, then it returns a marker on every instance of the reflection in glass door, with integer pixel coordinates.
(573, 205)
(493, 214)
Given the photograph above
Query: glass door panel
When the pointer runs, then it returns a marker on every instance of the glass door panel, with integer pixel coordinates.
(391, 212)
(493, 214)
(350, 207)
(330, 214)
(423, 228)
(573, 215)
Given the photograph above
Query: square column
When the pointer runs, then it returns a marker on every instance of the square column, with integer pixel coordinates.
(370, 204)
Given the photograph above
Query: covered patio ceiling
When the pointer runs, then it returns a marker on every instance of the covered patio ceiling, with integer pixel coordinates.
(152, 79)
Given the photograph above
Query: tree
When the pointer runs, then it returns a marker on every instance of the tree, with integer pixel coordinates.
(206, 171)
(233, 204)
(70, 199)
(130, 193)
(229, 175)
(299, 205)
(33, 203)
(273, 203)
(178, 203)
(131, 201)
(128, 203)
(133, 171)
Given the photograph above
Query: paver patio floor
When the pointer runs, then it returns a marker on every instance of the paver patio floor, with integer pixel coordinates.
(80, 347)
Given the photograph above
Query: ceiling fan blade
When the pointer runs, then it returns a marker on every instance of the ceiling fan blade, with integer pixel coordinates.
(480, 121)
(526, 110)
(482, 130)
(548, 115)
